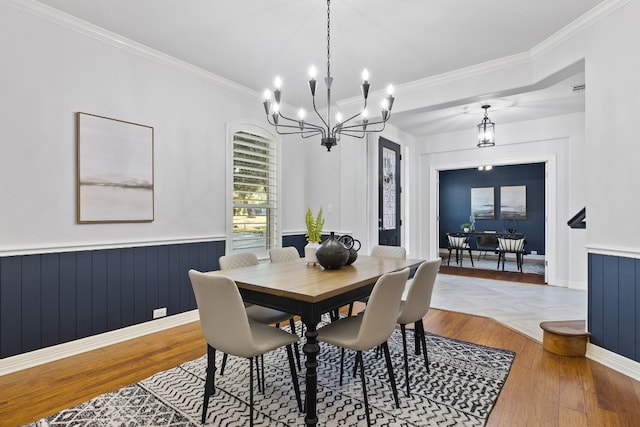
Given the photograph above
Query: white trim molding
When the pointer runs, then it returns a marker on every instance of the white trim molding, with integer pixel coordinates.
(614, 361)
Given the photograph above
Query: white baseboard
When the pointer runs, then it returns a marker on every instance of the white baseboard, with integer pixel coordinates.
(60, 351)
(614, 361)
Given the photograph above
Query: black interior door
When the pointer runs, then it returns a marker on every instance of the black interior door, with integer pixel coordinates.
(389, 190)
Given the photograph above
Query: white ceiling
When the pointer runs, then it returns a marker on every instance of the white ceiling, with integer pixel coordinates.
(252, 41)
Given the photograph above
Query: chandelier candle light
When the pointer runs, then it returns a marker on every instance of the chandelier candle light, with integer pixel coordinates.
(356, 126)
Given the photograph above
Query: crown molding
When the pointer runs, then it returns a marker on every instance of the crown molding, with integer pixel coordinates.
(576, 27)
(85, 28)
(581, 24)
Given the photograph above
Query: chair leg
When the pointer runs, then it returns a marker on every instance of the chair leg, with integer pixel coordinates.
(342, 364)
(262, 370)
(392, 377)
(251, 390)
(209, 384)
(419, 326)
(364, 386)
(449, 258)
(294, 377)
(224, 363)
(471, 258)
(406, 359)
(292, 324)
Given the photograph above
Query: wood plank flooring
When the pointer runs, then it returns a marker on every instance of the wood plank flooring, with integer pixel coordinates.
(542, 389)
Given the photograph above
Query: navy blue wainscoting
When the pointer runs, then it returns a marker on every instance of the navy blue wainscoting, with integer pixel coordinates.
(296, 240)
(614, 304)
(49, 299)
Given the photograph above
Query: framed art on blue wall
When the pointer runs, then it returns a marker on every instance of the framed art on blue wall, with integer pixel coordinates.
(513, 202)
(482, 203)
(114, 170)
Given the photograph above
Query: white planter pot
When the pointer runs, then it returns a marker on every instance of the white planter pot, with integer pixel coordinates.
(310, 253)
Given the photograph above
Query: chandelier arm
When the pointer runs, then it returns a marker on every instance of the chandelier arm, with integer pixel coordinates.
(316, 130)
(356, 114)
(352, 133)
(367, 130)
(310, 134)
(361, 125)
(319, 115)
(306, 127)
(297, 123)
(298, 132)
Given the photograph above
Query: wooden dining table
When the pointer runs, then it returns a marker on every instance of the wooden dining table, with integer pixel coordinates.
(310, 291)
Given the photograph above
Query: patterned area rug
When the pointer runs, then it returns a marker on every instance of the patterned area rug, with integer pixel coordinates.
(461, 390)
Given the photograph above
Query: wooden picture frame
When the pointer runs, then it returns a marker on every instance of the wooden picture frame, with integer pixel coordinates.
(513, 202)
(114, 170)
(483, 203)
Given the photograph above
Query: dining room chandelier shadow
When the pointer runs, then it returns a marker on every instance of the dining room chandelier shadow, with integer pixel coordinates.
(486, 134)
(356, 126)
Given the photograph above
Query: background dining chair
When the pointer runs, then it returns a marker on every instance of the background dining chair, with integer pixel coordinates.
(226, 327)
(510, 245)
(389, 251)
(486, 243)
(383, 251)
(257, 313)
(370, 329)
(459, 244)
(287, 253)
(414, 307)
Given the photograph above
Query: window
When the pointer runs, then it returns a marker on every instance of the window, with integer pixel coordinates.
(254, 192)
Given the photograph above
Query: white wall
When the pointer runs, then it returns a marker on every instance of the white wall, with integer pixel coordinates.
(50, 71)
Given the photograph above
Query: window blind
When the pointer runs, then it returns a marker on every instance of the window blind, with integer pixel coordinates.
(254, 192)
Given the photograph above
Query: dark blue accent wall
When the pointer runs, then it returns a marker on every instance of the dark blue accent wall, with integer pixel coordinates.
(455, 200)
(49, 299)
(614, 300)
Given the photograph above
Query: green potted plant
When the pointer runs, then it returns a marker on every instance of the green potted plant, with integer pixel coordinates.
(314, 234)
(465, 227)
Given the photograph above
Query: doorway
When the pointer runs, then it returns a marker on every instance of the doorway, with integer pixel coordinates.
(389, 193)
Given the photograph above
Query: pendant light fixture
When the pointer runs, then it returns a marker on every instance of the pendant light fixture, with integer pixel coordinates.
(356, 126)
(486, 134)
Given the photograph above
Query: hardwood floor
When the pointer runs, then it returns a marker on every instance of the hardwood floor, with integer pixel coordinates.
(511, 276)
(542, 389)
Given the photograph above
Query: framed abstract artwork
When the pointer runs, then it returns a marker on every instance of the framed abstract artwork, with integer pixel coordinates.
(482, 203)
(114, 170)
(513, 202)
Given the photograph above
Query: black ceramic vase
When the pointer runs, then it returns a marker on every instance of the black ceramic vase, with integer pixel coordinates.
(350, 243)
(332, 254)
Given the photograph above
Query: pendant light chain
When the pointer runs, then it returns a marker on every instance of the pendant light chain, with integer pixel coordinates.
(328, 38)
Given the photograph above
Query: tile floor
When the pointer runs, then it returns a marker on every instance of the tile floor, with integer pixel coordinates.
(520, 306)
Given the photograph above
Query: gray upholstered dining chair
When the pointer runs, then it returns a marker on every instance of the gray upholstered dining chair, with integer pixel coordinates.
(414, 307)
(389, 251)
(459, 244)
(371, 328)
(287, 253)
(227, 328)
(257, 313)
(383, 251)
(510, 245)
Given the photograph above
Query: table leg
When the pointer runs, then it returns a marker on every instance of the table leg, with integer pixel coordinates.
(311, 348)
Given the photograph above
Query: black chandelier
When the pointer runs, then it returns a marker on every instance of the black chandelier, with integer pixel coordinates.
(356, 126)
(486, 134)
